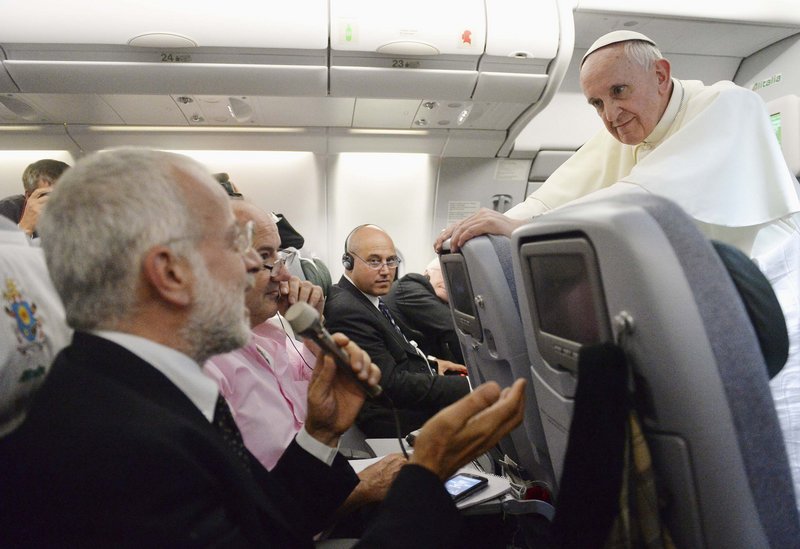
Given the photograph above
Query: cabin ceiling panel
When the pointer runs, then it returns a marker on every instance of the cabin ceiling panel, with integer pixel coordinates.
(14, 109)
(385, 113)
(74, 108)
(474, 144)
(493, 116)
(707, 68)
(6, 83)
(149, 110)
(776, 12)
(681, 35)
(37, 138)
(305, 111)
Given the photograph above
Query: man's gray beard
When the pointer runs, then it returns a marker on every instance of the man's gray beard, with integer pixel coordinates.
(218, 323)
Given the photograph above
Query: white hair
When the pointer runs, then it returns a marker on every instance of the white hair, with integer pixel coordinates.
(434, 264)
(642, 53)
(105, 213)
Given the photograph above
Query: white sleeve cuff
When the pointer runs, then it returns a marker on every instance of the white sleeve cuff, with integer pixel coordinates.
(321, 451)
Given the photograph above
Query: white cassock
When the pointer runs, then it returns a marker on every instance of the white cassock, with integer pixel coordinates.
(715, 154)
(33, 326)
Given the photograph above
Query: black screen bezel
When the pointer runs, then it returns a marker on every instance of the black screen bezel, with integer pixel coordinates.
(466, 322)
(557, 351)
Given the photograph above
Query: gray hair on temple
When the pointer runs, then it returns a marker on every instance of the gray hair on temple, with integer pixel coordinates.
(105, 213)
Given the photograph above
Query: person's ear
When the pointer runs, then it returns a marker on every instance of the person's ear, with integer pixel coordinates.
(663, 73)
(169, 275)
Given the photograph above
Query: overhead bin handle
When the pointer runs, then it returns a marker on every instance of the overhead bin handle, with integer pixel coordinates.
(407, 47)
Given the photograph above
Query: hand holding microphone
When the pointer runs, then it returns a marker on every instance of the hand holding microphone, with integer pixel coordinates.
(306, 322)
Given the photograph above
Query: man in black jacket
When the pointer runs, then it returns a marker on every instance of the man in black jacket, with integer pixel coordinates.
(128, 444)
(415, 385)
(419, 302)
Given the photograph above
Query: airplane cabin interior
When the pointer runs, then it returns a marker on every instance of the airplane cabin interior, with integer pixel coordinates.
(339, 113)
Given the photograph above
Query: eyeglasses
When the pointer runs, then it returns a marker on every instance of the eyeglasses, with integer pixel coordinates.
(377, 264)
(243, 240)
(275, 267)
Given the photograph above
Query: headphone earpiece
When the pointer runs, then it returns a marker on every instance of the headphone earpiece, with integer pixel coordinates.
(347, 261)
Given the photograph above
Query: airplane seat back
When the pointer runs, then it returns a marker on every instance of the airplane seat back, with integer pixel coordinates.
(312, 269)
(635, 270)
(316, 272)
(483, 301)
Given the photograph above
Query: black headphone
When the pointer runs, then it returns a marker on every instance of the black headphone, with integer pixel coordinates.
(348, 262)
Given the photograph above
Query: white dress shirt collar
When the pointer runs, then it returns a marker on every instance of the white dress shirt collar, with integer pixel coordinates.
(180, 369)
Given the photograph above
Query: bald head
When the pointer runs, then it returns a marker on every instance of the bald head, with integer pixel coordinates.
(367, 236)
(247, 211)
(370, 243)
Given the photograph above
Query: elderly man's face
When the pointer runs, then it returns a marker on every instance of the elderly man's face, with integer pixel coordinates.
(628, 98)
(219, 319)
(263, 297)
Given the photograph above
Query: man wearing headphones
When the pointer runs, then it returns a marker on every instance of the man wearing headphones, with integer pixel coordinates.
(414, 384)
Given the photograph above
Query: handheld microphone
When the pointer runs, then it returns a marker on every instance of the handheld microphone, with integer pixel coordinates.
(305, 321)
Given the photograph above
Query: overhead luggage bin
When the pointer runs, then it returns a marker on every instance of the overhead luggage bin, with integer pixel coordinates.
(397, 53)
(238, 47)
(521, 41)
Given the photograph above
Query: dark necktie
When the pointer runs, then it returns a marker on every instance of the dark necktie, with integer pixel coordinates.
(223, 421)
(385, 310)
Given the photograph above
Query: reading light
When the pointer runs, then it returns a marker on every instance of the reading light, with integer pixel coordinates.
(388, 132)
(4, 128)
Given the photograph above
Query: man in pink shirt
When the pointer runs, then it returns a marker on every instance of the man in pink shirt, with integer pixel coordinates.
(266, 381)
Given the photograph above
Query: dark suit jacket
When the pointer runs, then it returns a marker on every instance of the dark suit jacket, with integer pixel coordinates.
(12, 207)
(405, 376)
(415, 305)
(113, 454)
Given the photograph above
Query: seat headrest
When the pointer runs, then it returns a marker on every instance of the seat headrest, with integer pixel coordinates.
(761, 304)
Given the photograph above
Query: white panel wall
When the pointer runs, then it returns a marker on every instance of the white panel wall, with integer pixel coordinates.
(393, 191)
(781, 59)
(291, 183)
(13, 163)
(770, 11)
(467, 182)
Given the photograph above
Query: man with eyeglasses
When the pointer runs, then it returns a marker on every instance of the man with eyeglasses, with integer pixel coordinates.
(128, 444)
(355, 307)
(266, 381)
